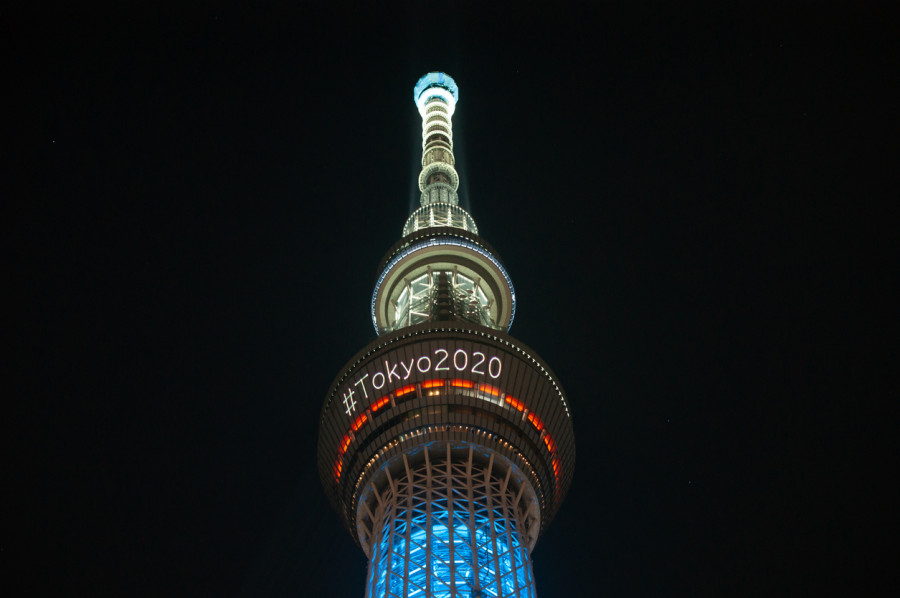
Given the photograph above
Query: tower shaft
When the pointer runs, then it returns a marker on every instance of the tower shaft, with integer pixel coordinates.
(450, 525)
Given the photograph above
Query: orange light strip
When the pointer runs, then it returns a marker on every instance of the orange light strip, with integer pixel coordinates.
(380, 403)
(519, 405)
(405, 390)
(359, 422)
(493, 390)
(457, 382)
(345, 444)
(551, 446)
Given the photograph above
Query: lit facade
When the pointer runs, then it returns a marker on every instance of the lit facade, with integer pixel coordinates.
(446, 445)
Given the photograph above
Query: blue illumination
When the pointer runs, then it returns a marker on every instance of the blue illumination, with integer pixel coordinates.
(443, 561)
(443, 241)
(442, 80)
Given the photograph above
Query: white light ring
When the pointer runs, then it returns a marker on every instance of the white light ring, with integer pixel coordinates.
(436, 108)
(452, 208)
(431, 128)
(448, 159)
(436, 92)
(434, 117)
(426, 195)
(444, 167)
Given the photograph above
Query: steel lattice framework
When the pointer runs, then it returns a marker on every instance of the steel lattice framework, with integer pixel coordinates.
(446, 445)
(450, 525)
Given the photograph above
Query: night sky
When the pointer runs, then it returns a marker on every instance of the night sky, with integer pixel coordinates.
(197, 199)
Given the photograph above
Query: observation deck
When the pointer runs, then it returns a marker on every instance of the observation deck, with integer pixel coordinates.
(428, 387)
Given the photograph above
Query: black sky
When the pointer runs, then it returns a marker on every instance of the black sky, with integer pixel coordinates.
(198, 198)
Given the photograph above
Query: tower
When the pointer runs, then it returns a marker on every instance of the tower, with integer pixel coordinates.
(446, 445)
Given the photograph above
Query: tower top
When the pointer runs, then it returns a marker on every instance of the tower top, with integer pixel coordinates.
(436, 84)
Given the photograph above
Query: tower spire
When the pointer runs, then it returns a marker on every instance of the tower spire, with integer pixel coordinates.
(436, 95)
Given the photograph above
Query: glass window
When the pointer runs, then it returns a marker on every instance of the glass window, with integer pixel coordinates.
(415, 302)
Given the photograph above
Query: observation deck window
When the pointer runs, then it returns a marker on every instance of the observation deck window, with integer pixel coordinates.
(415, 302)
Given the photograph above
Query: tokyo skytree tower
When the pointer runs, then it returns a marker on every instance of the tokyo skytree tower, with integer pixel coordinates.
(446, 445)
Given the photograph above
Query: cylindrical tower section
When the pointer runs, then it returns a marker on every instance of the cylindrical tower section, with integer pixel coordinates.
(436, 95)
(439, 213)
(450, 521)
(444, 384)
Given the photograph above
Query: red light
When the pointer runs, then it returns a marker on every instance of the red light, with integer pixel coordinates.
(462, 383)
(359, 422)
(405, 390)
(535, 421)
(337, 470)
(432, 383)
(515, 403)
(380, 403)
(493, 390)
(345, 444)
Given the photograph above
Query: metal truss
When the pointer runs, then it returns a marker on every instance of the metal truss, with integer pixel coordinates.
(449, 527)
(417, 301)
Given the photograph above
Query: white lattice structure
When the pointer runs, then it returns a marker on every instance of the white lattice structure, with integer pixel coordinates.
(453, 524)
(467, 298)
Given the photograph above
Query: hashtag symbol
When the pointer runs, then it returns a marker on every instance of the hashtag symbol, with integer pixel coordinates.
(349, 403)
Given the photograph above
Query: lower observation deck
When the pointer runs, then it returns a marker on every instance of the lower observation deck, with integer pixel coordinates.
(431, 388)
(442, 249)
